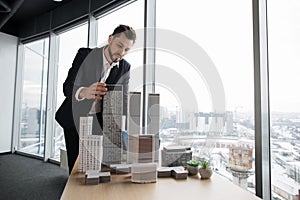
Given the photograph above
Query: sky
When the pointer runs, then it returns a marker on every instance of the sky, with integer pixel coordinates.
(224, 33)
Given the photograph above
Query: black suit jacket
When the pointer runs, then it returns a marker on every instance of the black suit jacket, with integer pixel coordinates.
(86, 69)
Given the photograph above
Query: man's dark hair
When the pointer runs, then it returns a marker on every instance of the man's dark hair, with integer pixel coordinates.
(127, 30)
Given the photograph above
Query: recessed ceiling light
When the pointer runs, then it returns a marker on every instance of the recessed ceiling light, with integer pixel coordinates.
(57, 0)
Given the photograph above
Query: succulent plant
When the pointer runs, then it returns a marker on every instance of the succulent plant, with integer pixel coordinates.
(205, 170)
(204, 165)
(194, 163)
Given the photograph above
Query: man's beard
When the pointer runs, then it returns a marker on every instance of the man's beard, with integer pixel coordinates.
(111, 56)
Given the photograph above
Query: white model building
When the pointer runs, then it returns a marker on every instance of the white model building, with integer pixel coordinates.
(112, 123)
(143, 173)
(90, 146)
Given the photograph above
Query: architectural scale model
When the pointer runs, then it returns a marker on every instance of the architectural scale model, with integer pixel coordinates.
(90, 146)
(175, 155)
(93, 177)
(120, 168)
(143, 148)
(146, 150)
(112, 123)
(143, 172)
(134, 125)
(153, 122)
(177, 172)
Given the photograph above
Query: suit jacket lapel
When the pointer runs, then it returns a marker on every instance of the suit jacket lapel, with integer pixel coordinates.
(99, 66)
(93, 65)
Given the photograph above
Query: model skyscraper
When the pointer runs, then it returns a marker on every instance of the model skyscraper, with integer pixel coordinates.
(153, 123)
(90, 146)
(143, 148)
(112, 123)
(134, 125)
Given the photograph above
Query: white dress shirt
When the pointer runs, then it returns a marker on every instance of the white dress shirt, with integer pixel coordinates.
(104, 75)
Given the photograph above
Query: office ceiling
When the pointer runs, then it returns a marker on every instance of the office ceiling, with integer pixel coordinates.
(14, 12)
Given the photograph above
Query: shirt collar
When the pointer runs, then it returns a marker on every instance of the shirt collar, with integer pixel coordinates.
(106, 63)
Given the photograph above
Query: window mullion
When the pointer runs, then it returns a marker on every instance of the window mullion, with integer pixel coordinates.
(261, 91)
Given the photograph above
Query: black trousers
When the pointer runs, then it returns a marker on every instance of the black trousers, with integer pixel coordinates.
(72, 145)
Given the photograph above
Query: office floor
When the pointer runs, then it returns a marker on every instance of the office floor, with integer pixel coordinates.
(28, 178)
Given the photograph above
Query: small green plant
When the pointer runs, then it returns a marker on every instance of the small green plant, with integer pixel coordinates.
(204, 164)
(194, 163)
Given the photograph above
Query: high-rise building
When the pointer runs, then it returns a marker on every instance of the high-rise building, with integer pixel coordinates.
(229, 123)
(153, 122)
(211, 123)
(112, 123)
(33, 122)
(90, 146)
(134, 125)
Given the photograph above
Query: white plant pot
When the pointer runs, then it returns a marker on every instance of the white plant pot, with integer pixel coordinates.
(205, 173)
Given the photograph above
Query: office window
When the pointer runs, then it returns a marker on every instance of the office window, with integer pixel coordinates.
(284, 48)
(204, 72)
(131, 15)
(33, 109)
(69, 43)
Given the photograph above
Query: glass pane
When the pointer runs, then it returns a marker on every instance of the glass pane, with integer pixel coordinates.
(284, 51)
(131, 15)
(69, 43)
(34, 97)
(204, 74)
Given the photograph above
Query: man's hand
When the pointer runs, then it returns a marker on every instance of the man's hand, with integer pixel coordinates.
(94, 91)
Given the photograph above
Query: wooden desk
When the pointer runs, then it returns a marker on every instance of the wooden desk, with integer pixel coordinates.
(120, 187)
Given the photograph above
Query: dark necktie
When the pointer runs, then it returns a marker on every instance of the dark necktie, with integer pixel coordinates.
(111, 77)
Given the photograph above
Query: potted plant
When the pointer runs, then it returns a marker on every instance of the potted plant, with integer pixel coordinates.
(192, 167)
(205, 170)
